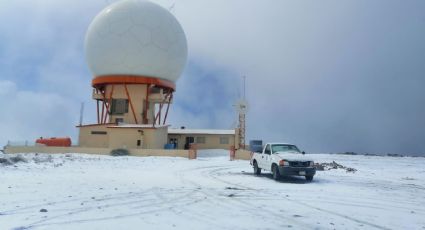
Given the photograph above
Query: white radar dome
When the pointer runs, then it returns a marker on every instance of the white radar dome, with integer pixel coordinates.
(138, 38)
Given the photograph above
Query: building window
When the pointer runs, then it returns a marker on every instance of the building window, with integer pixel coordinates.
(99, 132)
(119, 106)
(224, 140)
(154, 90)
(200, 140)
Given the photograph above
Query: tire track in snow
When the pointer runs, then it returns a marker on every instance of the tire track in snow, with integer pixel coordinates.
(152, 202)
(364, 204)
(298, 202)
(245, 205)
(238, 205)
(184, 210)
(79, 200)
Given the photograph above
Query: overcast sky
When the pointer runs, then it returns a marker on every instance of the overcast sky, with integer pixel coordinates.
(330, 76)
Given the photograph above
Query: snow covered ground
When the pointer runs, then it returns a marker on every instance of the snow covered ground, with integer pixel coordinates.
(77, 191)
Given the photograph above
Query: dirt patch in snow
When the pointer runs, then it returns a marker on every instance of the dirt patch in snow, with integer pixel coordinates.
(333, 165)
(12, 159)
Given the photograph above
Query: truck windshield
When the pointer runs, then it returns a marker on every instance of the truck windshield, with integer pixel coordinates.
(284, 148)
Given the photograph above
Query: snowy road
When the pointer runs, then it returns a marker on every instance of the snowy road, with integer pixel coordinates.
(100, 192)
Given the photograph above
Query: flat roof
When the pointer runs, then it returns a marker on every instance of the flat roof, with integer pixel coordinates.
(137, 126)
(202, 131)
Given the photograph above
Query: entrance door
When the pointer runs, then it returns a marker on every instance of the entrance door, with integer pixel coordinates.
(189, 140)
(140, 141)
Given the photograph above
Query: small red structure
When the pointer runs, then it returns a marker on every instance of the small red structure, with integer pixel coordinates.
(232, 152)
(193, 153)
(55, 141)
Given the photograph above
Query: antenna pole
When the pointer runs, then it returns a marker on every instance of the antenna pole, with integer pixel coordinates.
(244, 86)
(171, 8)
(81, 113)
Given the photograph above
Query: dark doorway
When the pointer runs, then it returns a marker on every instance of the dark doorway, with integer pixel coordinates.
(189, 140)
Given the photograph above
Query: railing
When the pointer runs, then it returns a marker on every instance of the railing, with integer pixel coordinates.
(96, 95)
(20, 143)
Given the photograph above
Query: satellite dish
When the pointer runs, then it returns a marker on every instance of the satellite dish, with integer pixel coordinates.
(242, 106)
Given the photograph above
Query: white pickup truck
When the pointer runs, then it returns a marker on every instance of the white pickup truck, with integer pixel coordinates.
(283, 159)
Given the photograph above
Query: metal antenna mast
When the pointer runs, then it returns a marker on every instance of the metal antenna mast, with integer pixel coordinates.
(242, 108)
(81, 113)
(171, 8)
(244, 86)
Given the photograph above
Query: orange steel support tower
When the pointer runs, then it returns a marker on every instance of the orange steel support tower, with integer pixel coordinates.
(152, 91)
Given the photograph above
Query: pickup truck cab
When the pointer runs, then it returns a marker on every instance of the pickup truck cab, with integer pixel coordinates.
(283, 159)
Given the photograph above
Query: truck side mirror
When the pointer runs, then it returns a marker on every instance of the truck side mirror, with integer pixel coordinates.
(303, 152)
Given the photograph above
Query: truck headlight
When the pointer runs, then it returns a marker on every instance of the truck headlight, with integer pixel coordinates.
(311, 163)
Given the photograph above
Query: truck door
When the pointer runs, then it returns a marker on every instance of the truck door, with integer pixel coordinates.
(265, 158)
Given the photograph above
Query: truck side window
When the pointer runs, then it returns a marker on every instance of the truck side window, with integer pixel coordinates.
(267, 150)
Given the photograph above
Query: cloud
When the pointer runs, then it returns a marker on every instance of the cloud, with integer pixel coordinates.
(43, 73)
(205, 97)
(330, 76)
(26, 115)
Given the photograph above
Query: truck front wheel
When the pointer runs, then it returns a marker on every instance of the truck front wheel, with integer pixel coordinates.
(257, 171)
(276, 174)
(309, 178)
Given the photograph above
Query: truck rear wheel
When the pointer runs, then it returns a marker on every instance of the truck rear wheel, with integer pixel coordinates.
(257, 171)
(276, 174)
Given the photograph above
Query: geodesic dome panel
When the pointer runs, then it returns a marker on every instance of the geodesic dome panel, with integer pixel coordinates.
(133, 37)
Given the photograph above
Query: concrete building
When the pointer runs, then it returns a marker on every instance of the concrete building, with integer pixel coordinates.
(203, 138)
(147, 137)
(123, 136)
